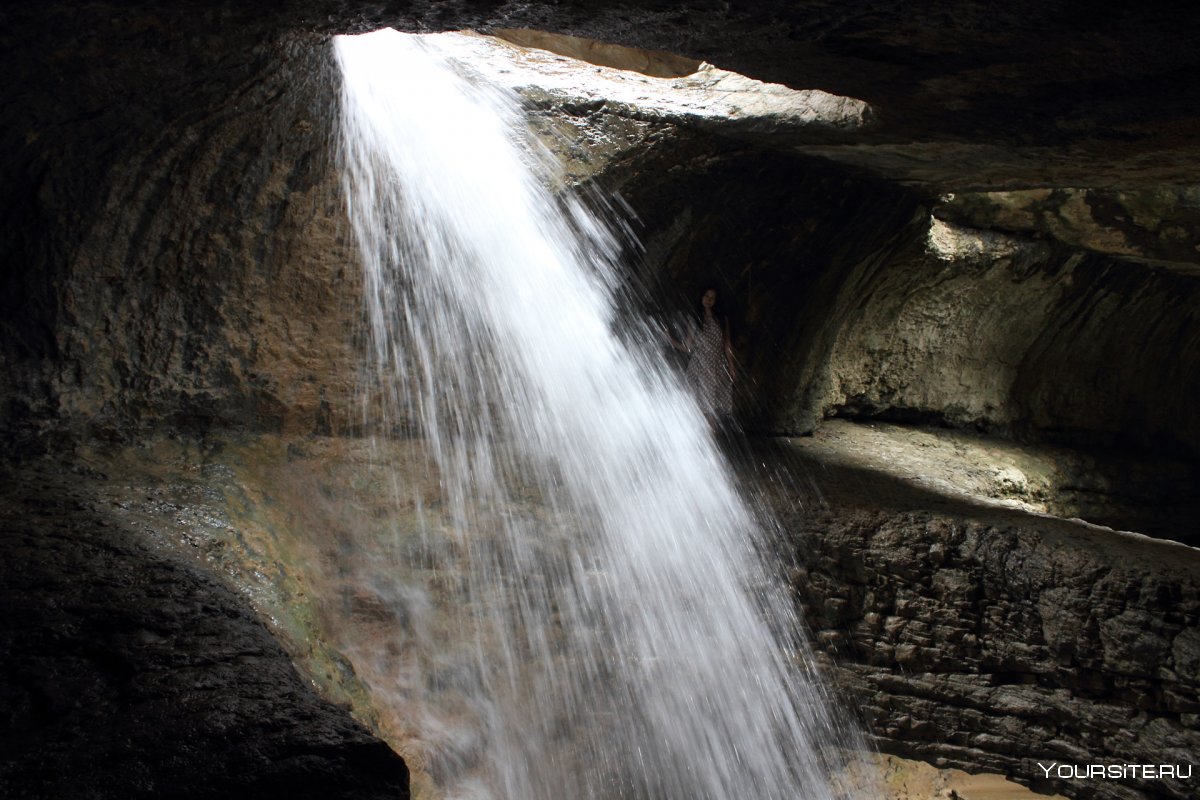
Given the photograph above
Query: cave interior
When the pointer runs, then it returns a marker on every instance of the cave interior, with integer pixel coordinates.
(964, 287)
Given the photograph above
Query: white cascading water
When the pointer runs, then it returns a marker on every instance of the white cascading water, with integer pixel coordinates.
(612, 631)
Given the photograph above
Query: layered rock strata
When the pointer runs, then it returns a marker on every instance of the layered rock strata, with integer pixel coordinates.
(173, 262)
(981, 637)
(1155, 226)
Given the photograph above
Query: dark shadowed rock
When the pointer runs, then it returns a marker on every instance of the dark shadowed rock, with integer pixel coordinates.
(130, 673)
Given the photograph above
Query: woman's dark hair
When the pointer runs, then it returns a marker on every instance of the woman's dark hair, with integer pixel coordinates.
(718, 310)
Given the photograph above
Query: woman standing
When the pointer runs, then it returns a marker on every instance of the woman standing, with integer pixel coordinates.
(711, 369)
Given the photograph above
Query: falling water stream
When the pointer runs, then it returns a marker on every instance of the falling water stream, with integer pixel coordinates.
(617, 634)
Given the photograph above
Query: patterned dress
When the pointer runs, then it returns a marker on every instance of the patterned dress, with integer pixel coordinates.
(708, 372)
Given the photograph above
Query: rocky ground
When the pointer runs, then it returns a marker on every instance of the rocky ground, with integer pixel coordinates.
(971, 628)
(908, 779)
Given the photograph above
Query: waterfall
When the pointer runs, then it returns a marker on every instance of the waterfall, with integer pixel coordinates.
(610, 630)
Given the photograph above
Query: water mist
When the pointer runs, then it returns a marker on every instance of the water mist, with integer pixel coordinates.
(610, 630)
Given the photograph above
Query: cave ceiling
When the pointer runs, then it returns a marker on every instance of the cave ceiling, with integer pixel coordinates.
(965, 95)
(991, 106)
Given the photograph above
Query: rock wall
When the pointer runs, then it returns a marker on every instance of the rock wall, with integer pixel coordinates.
(174, 257)
(1157, 226)
(848, 298)
(174, 262)
(204, 283)
(997, 640)
(1008, 334)
(783, 239)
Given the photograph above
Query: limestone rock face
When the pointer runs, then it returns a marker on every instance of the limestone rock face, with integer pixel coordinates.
(211, 287)
(654, 63)
(1156, 226)
(999, 639)
(848, 297)
(174, 262)
(1008, 334)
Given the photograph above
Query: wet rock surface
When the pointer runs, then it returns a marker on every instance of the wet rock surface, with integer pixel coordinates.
(977, 636)
(172, 261)
(131, 671)
(969, 628)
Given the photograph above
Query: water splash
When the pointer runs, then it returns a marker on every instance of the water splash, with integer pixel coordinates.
(609, 629)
